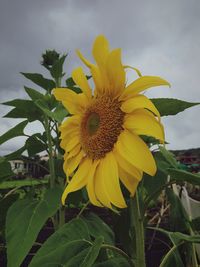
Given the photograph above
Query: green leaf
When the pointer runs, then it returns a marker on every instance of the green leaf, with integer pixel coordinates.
(171, 106)
(183, 176)
(5, 203)
(24, 220)
(38, 79)
(93, 253)
(33, 94)
(178, 218)
(177, 237)
(22, 183)
(5, 169)
(23, 109)
(57, 68)
(97, 228)
(169, 157)
(16, 154)
(34, 145)
(72, 238)
(70, 82)
(57, 115)
(172, 258)
(60, 113)
(196, 224)
(17, 130)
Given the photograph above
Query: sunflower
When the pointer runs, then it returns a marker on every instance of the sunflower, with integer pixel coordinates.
(101, 139)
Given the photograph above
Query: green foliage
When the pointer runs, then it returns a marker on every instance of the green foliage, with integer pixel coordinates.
(171, 106)
(76, 237)
(71, 237)
(24, 220)
(23, 109)
(21, 183)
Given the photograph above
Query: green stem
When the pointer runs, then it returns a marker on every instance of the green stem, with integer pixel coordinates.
(50, 148)
(82, 210)
(137, 223)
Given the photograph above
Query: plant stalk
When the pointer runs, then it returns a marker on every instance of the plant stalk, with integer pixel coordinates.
(137, 223)
(51, 160)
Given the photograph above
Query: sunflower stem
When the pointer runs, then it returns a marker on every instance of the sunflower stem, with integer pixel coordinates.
(137, 224)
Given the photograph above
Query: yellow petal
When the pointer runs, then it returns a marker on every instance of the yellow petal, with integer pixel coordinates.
(136, 70)
(141, 84)
(100, 50)
(69, 143)
(115, 72)
(100, 189)
(84, 60)
(110, 178)
(96, 75)
(70, 122)
(141, 122)
(71, 164)
(90, 185)
(79, 180)
(127, 166)
(134, 150)
(80, 79)
(73, 152)
(129, 181)
(139, 102)
(74, 103)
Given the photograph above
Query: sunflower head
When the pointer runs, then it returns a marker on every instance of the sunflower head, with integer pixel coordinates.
(102, 137)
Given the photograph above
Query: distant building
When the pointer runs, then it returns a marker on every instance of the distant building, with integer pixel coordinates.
(189, 158)
(25, 166)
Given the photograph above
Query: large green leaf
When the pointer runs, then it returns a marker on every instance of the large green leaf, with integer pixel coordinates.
(64, 246)
(24, 220)
(183, 176)
(23, 109)
(97, 228)
(5, 169)
(38, 79)
(171, 106)
(17, 130)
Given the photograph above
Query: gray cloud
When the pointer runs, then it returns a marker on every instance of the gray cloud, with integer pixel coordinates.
(160, 38)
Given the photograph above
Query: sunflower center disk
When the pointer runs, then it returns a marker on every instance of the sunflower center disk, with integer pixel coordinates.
(100, 127)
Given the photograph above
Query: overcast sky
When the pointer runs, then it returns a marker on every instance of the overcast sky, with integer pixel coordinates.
(160, 38)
